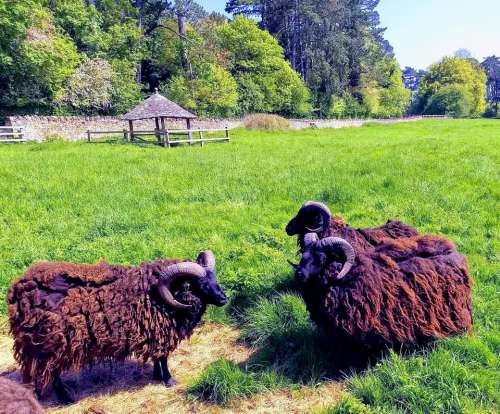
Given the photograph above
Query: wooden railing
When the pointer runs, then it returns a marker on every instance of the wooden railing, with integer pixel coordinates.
(168, 137)
(12, 134)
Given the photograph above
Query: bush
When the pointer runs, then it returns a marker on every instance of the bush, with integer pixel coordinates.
(452, 100)
(265, 121)
(223, 381)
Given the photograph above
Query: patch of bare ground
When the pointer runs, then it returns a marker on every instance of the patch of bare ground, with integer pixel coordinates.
(126, 388)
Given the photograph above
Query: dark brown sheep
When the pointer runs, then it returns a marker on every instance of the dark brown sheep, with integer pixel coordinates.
(14, 398)
(66, 316)
(315, 217)
(384, 287)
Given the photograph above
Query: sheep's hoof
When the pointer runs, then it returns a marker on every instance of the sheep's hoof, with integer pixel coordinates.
(170, 383)
(63, 392)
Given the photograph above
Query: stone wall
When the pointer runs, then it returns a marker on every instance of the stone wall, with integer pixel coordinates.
(74, 128)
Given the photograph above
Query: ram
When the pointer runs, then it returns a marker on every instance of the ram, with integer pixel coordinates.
(65, 316)
(398, 289)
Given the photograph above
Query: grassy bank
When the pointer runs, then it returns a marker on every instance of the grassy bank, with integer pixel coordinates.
(126, 204)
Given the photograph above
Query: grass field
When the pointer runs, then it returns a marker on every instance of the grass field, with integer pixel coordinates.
(85, 202)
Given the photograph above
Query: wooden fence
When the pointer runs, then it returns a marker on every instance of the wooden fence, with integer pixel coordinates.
(12, 134)
(168, 137)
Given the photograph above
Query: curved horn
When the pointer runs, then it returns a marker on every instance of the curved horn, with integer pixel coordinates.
(207, 260)
(322, 209)
(173, 272)
(310, 239)
(338, 243)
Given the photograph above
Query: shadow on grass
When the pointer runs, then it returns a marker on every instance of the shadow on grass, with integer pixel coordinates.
(290, 352)
(102, 379)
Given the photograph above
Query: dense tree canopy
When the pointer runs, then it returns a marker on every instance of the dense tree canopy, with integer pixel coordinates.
(294, 58)
(454, 71)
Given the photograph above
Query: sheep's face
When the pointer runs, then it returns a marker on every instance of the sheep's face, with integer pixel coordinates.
(311, 264)
(303, 222)
(210, 291)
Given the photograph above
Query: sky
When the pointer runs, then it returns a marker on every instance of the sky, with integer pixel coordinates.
(423, 31)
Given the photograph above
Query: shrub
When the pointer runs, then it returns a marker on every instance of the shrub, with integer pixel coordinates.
(89, 89)
(453, 100)
(223, 381)
(265, 121)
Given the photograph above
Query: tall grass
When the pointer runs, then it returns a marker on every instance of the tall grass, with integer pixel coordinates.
(126, 204)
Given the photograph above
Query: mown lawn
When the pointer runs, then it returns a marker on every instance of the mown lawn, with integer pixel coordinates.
(85, 202)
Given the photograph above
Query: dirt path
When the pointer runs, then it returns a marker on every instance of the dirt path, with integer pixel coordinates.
(128, 388)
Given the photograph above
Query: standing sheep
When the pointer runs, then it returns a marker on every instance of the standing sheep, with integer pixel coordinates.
(66, 316)
(377, 289)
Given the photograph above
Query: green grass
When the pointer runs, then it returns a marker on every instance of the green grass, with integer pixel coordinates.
(222, 381)
(126, 204)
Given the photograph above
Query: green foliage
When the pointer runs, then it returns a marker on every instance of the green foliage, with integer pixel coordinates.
(213, 93)
(453, 100)
(455, 71)
(266, 82)
(223, 381)
(89, 89)
(265, 121)
(125, 91)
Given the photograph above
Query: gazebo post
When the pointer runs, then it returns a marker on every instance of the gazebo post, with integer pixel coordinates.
(131, 129)
(190, 134)
(157, 130)
(166, 140)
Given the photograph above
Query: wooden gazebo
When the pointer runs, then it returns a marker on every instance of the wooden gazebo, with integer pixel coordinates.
(159, 108)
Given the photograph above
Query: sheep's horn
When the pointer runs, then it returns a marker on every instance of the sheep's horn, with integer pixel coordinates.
(310, 239)
(339, 243)
(207, 260)
(173, 272)
(322, 209)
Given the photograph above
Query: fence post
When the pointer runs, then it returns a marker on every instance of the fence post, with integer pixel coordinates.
(88, 135)
(227, 133)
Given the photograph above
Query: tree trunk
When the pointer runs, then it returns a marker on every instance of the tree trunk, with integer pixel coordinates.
(182, 35)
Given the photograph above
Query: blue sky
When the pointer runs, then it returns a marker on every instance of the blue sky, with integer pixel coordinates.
(423, 31)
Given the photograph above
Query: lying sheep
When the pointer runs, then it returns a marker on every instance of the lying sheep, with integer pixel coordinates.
(66, 316)
(315, 217)
(15, 399)
(398, 291)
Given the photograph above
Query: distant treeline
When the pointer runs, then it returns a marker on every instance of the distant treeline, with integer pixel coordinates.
(297, 59)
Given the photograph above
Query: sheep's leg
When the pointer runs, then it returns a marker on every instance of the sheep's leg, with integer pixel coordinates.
(63, 392)
(166, 376)
(157, 371)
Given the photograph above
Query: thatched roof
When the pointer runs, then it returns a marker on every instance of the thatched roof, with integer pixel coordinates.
(157, 106)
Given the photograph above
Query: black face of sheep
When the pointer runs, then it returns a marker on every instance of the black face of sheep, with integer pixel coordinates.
(316, 252)
(313, 217)
(103, 312)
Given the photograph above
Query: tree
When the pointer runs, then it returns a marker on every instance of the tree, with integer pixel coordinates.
(89, 89)
(325, 42)
(266, 82)
(452, 100)
(35, 58)
(463, 54)
(455, 71)
(491, 66)
(412, 78)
